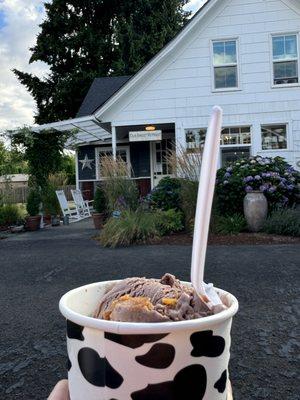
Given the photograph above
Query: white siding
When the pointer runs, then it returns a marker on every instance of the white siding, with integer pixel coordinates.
(181, 89)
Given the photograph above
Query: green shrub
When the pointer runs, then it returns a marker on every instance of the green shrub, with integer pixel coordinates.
(33, 202)
(228, 224)
(50, 202)
(166, 195)
(132, 227)
(9, 214)
(188, 201)
(273, 176)
(121, 192)
(99, 201)
(170, 221)
(283, 222)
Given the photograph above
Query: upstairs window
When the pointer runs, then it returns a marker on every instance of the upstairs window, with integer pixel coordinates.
(225, 63)
(285, 60)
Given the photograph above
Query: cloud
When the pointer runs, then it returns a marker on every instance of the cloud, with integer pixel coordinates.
(19, 26)
(18, 30)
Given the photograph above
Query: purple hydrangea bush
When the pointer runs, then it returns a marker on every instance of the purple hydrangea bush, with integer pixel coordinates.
(273, 176)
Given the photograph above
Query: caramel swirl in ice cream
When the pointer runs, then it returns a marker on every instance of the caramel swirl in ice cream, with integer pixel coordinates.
(151, 300)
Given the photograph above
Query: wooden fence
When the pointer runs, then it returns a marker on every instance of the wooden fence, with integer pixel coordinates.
(19, 195)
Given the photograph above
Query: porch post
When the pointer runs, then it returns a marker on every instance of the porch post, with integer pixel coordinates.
(76, 170)
(114, 141)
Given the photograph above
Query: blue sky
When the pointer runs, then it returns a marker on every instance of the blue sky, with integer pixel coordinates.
(19, 20)
(2, 19)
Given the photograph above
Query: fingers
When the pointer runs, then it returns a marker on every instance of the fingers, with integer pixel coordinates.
(60, 392)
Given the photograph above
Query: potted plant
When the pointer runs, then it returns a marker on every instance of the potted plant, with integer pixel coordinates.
(33, 220)
(51, 206)
(100, 208)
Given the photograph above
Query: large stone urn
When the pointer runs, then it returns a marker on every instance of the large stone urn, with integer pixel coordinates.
(255, 210)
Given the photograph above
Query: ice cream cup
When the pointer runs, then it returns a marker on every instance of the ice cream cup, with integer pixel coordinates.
(145, 361)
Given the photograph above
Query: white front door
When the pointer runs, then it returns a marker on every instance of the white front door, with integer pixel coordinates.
(159, 164)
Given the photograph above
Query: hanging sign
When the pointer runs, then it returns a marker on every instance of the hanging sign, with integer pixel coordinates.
(144, 136)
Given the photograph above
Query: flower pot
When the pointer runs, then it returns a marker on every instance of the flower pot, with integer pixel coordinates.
(55, 220)
(98, 219)
(255, 210)
(33, 223)
(47, 219)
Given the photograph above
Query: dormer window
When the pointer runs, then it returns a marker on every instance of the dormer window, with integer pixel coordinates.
(225, 64)
(285, 60)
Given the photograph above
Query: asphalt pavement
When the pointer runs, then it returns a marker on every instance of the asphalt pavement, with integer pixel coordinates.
(37, 268)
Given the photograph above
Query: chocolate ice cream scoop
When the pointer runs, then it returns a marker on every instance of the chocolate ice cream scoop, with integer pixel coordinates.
(151, 300)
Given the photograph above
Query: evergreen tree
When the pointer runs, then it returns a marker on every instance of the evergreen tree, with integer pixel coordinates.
(75, 41)
(84, 39)
(143, 28)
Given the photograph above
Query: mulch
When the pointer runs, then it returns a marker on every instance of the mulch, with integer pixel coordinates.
(251, 239)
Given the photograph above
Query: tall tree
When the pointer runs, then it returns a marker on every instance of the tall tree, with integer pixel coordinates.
(12, 161)
(84, 39)
(75, 41)
(143, 27)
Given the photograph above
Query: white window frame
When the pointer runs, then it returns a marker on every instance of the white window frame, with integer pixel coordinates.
(109, 148)
(284, 85)
(288, 140)
(191, 129)
(237, 64)
(228, 127)
(222, 146)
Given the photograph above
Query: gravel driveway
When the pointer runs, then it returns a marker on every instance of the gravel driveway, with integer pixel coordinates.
(37, 268)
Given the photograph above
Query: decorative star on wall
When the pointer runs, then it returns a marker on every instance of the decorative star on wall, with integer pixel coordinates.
(86, 162)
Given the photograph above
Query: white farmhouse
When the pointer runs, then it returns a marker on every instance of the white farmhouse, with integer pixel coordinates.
(240, 54)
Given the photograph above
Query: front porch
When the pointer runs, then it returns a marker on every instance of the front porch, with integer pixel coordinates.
(142, 147)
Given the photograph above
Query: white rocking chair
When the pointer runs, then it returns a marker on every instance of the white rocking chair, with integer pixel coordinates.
(71, 212)
(83, 206)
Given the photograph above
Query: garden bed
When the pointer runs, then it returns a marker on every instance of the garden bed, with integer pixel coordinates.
(231, 240)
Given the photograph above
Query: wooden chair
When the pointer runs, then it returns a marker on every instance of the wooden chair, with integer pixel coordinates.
(83, 206)
(72, 212)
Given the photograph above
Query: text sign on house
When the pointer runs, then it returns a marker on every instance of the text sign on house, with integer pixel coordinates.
(144, 136)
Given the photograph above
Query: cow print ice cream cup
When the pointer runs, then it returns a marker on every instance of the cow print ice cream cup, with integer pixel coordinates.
(145, 361)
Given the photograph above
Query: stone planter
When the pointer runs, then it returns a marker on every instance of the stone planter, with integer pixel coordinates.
(98, 219)
(255, 210)
(33, 223)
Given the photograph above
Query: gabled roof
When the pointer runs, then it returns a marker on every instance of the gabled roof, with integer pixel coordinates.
(100, 91)
(169, 47)
(157, 58)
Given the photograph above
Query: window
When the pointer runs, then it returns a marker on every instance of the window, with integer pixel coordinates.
(225, 64)
(162, 150)
(274, 137)
(230, 155)
(122, 153)
(236, 136)
(195, 138)
(285, 59)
